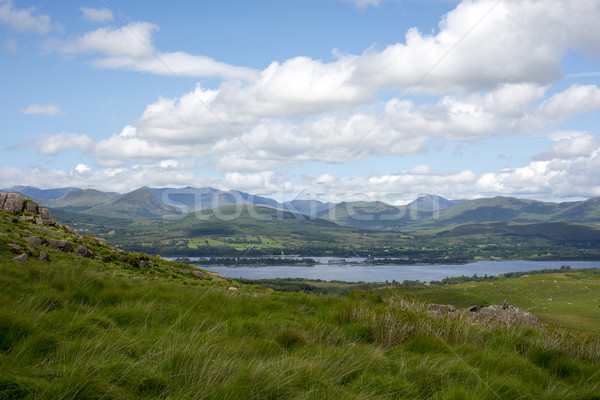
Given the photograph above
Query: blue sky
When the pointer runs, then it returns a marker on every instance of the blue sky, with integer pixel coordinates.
(329, 99)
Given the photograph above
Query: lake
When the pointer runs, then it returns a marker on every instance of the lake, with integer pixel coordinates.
(381, 273)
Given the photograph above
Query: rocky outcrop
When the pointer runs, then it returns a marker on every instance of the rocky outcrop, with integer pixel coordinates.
(507, 316)
(83, 251)
(14, 202)
(62, 245)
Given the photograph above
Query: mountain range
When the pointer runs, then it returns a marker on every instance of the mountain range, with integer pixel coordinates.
(425, 212)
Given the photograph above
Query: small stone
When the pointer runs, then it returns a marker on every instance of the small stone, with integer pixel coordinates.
(43, 257)
(83, 251)
(36, 241)
(21, 258)
(102, 241)
(232, 288)
(3, 234)
(15, 246)
(62, 245)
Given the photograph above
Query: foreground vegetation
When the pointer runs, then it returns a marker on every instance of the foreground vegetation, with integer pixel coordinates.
(113, 328)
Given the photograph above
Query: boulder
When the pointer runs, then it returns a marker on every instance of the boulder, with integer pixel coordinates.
(507, 316)
(50, 222)
(21, 258)
(14, 203)
(44, 213)
(31, 207)
(43, 257)
(102, 241)
(83, 251)
(36, 241)
(62, 245)
(2, 200)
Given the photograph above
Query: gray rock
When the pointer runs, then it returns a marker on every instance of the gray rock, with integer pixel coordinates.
(36, 241)
(83, 251)
(441, 308)
(143, 264)
(2, 200)
(505, 304)
(62, 245)
(21, 258)
(102, 241)
(50, 222)
(27, 217)
(42, 229)
(3, 234)
(43, 256)
(31, 207)
(39, 220)
(44, 213)
(509, 316)
(14, 203)
(15, 246)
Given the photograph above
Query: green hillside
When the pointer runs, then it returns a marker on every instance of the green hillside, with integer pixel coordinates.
(120, 325)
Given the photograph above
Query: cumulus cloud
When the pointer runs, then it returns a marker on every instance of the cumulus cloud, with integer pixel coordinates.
(568, 169)
(25, 19)
(98, 15)
(131, 47)
(42, 109)
(59, 143)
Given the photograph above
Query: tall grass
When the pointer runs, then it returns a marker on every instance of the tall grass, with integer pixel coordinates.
(82, 331)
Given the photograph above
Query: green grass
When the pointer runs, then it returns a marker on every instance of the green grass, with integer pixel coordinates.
(570, 300)
(75, 330)
(78, 328)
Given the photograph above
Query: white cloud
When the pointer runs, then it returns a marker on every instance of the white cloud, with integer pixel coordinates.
(56, 144)
(365, 3)
(131, 47)
(133, 40)
(98, 15)
(568, 169)
(25, 20)
(42, 109)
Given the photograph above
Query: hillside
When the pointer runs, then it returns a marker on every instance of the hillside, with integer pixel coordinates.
(120, 325)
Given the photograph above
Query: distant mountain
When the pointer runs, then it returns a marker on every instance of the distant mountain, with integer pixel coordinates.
(39, 194)
(308, 207)
(519, 210)
(431, 203)
(195, 199)
(80, 200)
(370, 215)
(140, 203)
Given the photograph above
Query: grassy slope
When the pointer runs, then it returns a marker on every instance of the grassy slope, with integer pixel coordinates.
(574, 304)
(76, 328)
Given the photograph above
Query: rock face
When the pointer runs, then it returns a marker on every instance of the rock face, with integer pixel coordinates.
(32, 207)
(62, 245)
(2, 200)
(508, 316)
(83, 251)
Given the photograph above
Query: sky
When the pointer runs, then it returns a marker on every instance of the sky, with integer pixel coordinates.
(335, 100)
